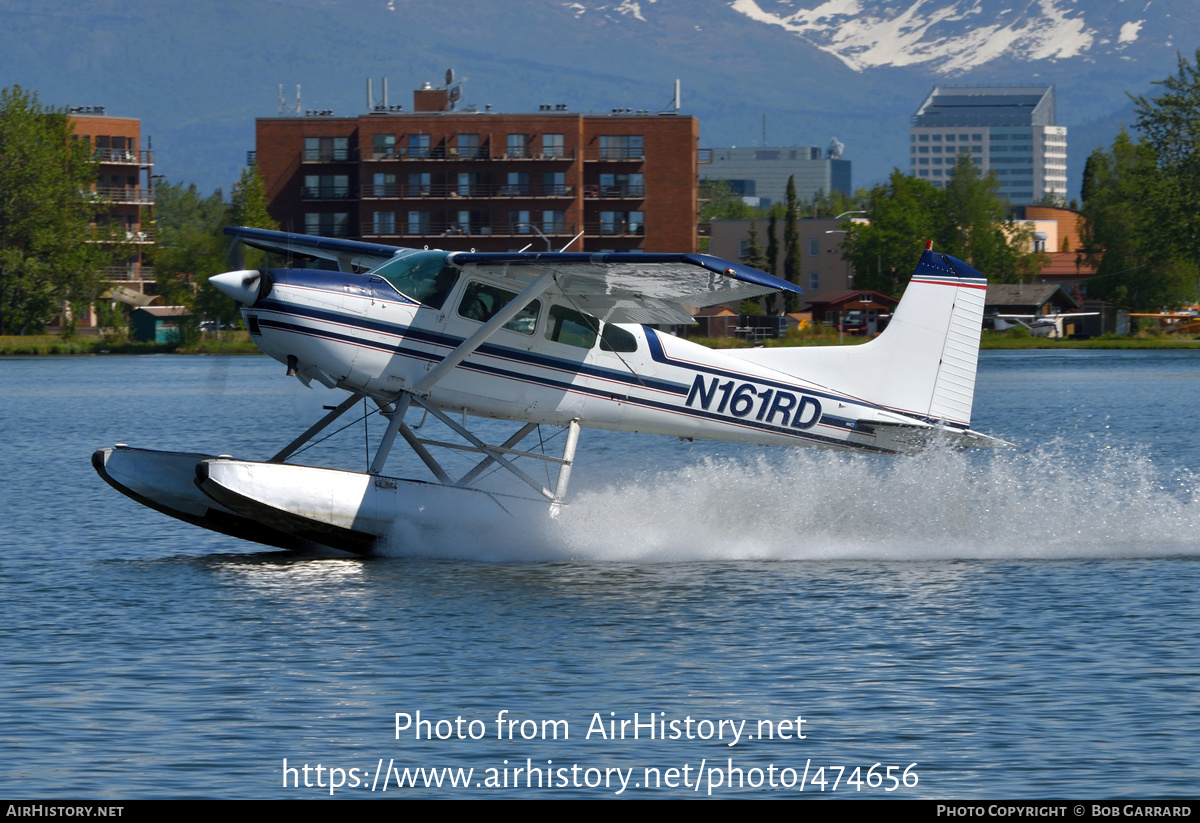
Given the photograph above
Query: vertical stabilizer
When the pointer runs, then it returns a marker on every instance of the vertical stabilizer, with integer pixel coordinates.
(923, 364)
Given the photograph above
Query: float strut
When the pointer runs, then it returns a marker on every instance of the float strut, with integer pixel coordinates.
(389, 436)
(337, 412)
(564, 470)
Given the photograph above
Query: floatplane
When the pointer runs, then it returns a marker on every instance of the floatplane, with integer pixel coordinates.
(553, 339)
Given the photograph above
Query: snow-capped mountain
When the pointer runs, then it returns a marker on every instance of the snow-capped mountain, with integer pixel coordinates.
(945, 37)
(784, 72)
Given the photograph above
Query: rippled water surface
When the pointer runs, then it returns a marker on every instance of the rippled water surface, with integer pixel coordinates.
(1017, 624)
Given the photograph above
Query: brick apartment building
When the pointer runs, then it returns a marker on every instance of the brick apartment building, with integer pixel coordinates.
(123, 184)
(485, 180)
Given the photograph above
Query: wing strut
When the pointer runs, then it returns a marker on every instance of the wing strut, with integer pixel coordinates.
(465, 348)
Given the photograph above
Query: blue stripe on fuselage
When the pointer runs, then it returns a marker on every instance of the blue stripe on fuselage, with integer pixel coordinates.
(525, 357)
(659, 355)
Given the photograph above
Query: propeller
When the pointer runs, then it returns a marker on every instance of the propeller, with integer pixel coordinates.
(245, 286)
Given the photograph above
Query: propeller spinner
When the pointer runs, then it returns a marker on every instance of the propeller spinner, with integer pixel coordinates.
(244, 286)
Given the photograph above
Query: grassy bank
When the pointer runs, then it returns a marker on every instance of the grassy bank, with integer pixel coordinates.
(50, 344)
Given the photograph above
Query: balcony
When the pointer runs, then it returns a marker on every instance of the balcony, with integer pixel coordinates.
(127, 195)
(328, 192)
(621, 154)
(124, 157)
(329, 155)
(443, 153)
(624, 192)
(438, 228)
(125, 274)
(615, 229)
(443, 191)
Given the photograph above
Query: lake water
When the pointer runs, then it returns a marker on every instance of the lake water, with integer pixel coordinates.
(1016, 624)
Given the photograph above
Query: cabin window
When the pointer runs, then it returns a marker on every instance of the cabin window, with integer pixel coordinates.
(481, 302)
(425, 276)
(615, 338)
(571, 327)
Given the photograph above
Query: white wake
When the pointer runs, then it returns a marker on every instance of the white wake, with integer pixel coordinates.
(1050, 503)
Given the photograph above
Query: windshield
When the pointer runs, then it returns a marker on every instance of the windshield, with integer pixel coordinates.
(425, 276)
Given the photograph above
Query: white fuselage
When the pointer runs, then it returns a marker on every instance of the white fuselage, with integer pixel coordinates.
(358, 333)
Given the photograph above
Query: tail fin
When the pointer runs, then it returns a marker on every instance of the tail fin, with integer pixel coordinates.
(922, 365)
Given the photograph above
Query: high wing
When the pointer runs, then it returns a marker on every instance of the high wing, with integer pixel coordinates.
(347, 254)
(625, 287)
(619, 287)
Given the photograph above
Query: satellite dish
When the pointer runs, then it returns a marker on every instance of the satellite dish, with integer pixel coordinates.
(449, 76)
(455, 94)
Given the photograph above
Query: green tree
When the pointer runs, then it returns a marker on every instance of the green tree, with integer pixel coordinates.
(833, 204)
(1169, 125)
(976, 229)
(772, 257)
(791, 245)
(248, 207)
(754, 253)
(1135, 267)
(718, 201)
(191, 248)
(903, 214)
(966, 220)
(46, 215)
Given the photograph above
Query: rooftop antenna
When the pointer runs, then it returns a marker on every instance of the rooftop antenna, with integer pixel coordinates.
(284, 107)
(370, 96)
(673, 106)
(454, 86)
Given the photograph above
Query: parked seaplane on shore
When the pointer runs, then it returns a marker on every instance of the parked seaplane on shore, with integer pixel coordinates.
(557, 339)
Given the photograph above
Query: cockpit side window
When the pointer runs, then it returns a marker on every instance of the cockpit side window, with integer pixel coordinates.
(481, 302)
(571, 327)
(615, 338)
(425, 276)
